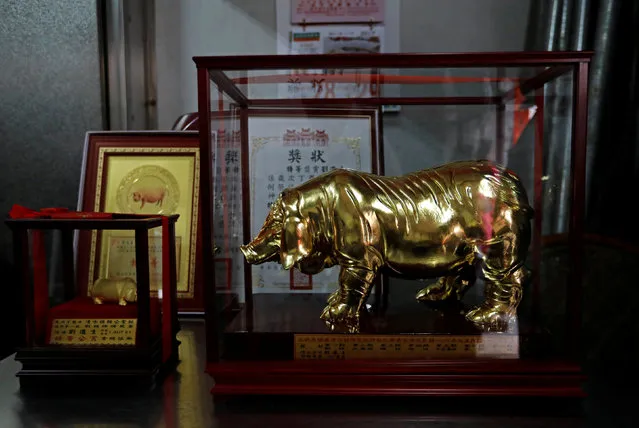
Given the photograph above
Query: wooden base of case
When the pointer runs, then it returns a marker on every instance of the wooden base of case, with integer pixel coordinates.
(398, 378)
(102, 370)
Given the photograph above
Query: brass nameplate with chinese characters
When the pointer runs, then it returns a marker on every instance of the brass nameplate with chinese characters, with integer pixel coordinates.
(350, 347)
(93, 332)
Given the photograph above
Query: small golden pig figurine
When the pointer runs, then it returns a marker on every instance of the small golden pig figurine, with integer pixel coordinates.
(435, 223)
(112, 290)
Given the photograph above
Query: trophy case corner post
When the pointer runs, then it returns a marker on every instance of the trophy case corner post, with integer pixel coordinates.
(382, 287)
(538, 166)
(173, 282)
(143, 279)
(576, 230)
(206, 203)
(246, 209)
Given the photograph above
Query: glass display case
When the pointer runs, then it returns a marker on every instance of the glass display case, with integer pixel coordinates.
(390, 223)
(117, 334)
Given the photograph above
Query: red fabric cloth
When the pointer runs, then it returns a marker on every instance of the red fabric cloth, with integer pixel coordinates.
(18, 211)
(521, 117)
(84, 308)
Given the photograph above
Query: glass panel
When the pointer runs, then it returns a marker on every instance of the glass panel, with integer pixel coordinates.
(555, 209)
(287, 148)
(227, 201)
(372, 83)
(99, 313)
(454, 260)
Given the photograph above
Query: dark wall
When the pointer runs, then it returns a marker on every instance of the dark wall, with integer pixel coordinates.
(50, 87)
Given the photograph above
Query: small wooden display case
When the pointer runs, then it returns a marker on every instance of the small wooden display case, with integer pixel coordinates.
(136, 343)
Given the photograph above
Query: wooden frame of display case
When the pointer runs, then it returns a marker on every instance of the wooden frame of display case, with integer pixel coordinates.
(47, 363)
(538, 377)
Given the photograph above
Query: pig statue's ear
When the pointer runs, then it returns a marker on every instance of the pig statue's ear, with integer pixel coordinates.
(296, 241)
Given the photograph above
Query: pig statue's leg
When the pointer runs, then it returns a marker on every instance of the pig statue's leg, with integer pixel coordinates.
(98, 300)
(448, 287)
(505, 274)
(359, 262)
(443, 289)
(122, 301)
(347, 303)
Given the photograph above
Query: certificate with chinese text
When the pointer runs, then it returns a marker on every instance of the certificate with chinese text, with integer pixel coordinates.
(287, 150)
(227, 199)
(156, 182)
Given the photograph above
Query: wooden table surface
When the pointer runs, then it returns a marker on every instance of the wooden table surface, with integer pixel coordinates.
(183, 401)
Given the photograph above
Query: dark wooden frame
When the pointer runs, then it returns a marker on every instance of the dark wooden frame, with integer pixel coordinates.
(520, 377)
(133, 139)
(69, 367)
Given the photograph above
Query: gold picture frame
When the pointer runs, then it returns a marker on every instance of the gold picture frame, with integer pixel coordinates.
(139, 172)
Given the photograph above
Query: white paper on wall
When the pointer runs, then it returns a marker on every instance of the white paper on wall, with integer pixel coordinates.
(331, 39)
(227, 226)
(337, 11)
(286, 152)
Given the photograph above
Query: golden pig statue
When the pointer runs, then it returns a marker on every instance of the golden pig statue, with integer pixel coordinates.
(434, 223)
(112, 290)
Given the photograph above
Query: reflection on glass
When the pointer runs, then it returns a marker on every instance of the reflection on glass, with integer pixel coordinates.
(410, 234)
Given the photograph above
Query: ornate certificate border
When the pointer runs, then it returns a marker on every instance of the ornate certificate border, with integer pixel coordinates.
(307, 129)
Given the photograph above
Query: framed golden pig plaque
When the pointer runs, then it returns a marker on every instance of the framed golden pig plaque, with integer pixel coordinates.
(141, 173)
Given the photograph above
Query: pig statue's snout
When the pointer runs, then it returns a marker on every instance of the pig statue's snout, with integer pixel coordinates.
(249, 253)
(260, 251)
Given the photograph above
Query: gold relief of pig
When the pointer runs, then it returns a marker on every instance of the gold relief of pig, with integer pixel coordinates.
(149, 195)
(114, 290)
(435, 223)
